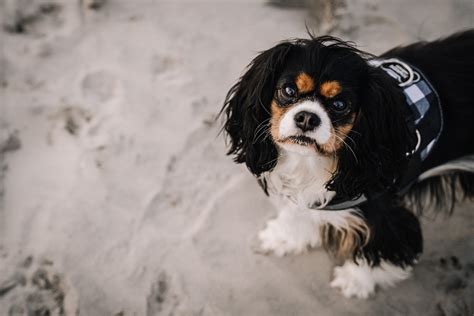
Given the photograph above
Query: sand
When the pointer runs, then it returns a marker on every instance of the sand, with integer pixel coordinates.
(116, 195)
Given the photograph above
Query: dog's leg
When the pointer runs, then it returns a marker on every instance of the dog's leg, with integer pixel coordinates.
(387, 258)
(292, 232)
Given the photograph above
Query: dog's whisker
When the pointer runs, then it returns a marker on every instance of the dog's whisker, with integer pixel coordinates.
(261, 129)
(262, 125)
(265, 133)
(346, 145)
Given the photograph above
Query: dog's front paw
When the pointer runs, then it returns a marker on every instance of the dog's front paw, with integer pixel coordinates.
(353, 281)
(278, 240)
(284, 236)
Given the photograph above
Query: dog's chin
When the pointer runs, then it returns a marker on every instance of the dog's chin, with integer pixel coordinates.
(300, 144)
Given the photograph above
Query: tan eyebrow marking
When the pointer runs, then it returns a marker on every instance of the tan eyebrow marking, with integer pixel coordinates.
(304, 83)
(330, 89)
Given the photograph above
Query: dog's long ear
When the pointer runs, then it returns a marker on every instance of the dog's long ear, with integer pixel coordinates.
(247, 111)
(379, 140)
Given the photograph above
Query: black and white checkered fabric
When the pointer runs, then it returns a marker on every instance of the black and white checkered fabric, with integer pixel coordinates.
(422, 99)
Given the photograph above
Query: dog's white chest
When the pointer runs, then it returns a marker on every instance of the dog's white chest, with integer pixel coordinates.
(301, 178)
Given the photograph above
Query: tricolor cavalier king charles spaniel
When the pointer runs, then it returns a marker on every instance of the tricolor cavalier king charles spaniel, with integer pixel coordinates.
(351, 147)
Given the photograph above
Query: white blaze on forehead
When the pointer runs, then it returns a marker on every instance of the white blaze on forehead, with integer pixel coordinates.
(321, 134)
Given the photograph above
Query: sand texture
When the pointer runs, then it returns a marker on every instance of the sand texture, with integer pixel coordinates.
(116, 197)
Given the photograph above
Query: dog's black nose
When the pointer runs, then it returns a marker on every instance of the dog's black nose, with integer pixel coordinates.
(307, 121)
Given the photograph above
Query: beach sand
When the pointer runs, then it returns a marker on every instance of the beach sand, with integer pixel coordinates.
(116, 195)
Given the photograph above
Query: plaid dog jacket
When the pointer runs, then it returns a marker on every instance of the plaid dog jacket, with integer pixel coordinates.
(427, 116)
(422, 100)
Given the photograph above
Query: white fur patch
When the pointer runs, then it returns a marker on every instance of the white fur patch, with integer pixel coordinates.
(296, 230)
(291, 232)
(301, 178)
(321, 134)
(296, 183)
(361, 280)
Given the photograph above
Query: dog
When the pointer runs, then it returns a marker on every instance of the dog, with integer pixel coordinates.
(352, 147)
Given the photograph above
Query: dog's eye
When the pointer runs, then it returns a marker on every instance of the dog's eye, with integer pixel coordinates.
(288, 92)
(339, 106)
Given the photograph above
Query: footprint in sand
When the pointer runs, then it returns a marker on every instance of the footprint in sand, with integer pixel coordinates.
(37, 289)
(161, 301)
(71, 119)
(456, 287)
(34, 17)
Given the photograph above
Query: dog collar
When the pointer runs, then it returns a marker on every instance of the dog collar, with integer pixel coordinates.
(426, 121)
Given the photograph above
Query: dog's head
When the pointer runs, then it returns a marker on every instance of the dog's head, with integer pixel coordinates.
(320, 97)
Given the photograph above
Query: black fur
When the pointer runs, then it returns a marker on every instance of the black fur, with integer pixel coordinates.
(449, 66)
(380, 136)
(395, 233)
(441, 193)
(380, 139)
(247, 108)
